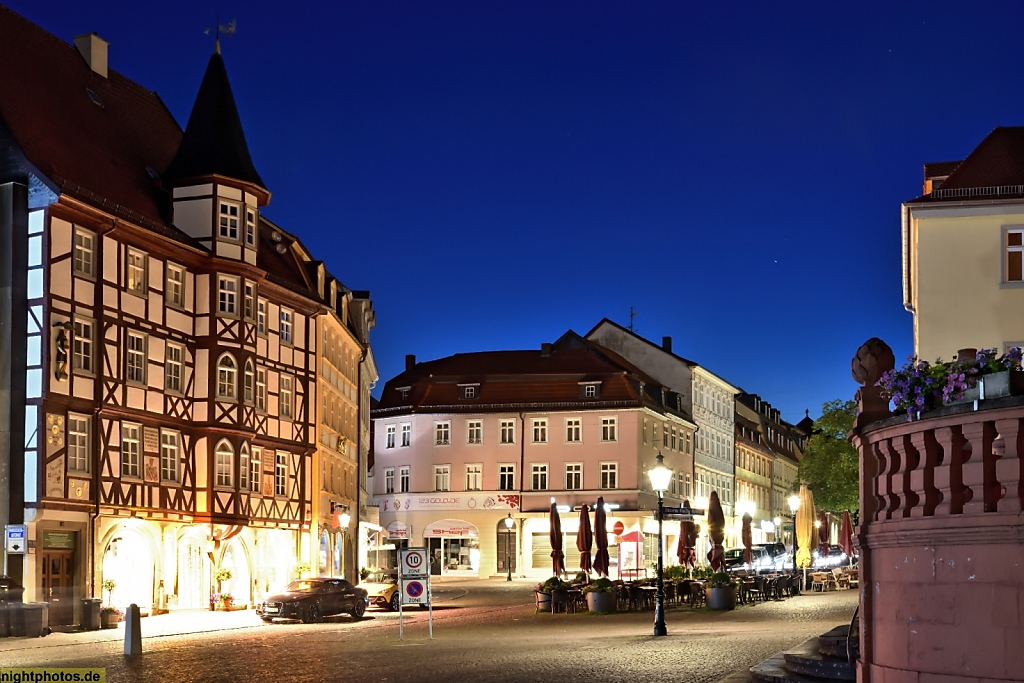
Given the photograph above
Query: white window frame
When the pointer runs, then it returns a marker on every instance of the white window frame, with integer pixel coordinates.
(82, 345)
(406, 434)
(79, 443)
(474, 432)
(223, 465)
(227, 295)
(573, 430)
(469, 392)
(442, 477)
(389, 480)
(474, 476)
(1009, 249)
(131, 450)
(227, 378)
(590, 391)
(250, 226)
(573, 476)
(249, 382)
(255, 468)
(170, 456)
(286, 319)
(174, 285)
(609, 429)
(389, 437)
(136, 358)
(243, 468)
(261, 389)
(280, 473)
(227, 220)
(249, 300)
(136, 273)
(403, 479)
(540, 430)
(507, 430)
(506, 476)
(285, 397)
(261, 317)
(443, 433)
(84, 258)
(539, 476)
(609, 475)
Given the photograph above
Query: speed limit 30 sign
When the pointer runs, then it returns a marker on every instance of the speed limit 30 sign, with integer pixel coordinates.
(413, 562)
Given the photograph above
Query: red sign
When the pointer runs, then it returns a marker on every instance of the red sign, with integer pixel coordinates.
(618, 528)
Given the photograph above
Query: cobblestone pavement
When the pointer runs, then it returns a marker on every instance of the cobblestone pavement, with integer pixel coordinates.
(483, 631)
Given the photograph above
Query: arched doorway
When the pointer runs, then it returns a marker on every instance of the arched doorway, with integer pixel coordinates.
(506, 555)
(128, 561)
(236, 559)
(324, 556)
(190, 582)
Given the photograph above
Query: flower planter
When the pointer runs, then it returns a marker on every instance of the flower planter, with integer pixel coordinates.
(543, 601)
(109, 620)
(995, 385)
(721, 598)
(600, 602)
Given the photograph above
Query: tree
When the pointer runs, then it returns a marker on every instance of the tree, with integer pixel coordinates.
(831, 465)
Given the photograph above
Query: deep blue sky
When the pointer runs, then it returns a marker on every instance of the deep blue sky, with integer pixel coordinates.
(496, 173)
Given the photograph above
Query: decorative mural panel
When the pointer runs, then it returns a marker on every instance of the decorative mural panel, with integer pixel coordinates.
(54, 434)
(78, 489)
(55, 478)
(151, 471)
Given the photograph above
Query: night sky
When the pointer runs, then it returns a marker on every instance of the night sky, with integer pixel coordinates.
(497, 173)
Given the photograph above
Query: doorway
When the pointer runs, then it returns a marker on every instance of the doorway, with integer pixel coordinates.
(58, 585)
(506, 549)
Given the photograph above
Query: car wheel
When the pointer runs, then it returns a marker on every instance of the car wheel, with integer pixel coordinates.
(267, 620)
(359, 608)
(311, 615)
(396, 600)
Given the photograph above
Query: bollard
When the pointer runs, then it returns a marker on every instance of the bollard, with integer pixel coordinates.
(132, 632)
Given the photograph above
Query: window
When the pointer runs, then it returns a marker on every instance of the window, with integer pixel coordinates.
(540, 477)
(78, 443)
(590, 391)
(389, 480)
(508, 431)
(645, 431)
(131, 451)
(442, 433)
(169, 447)
(227, 295)
(664, 436)
(390, 437)
(261, 389)
(255, 469)
(249, 382)
(135, 370)
(174, 287)
(573, 430)
(469, 392)
(540, 431)
(82, 346)
(442, 477)
(222, 464)
(475, 431)
(280, 473)
(573, 477)
(136, 272)
(286, 326)
(474, 477)
(243, 469)
(249, 301)
(507, 477)
(403, 479)
(84, 258)
(608, 428)
(1014, 250)
(285, 397)
(250, 226)
(261, 316)
(229, 221)
(406, 434)
(227, 377)
(609, 475)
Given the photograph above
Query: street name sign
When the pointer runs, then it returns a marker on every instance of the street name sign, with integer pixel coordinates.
(682, 512)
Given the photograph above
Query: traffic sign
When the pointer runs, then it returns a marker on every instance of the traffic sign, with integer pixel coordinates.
(414, 592)
(413, 562)
(15, 539)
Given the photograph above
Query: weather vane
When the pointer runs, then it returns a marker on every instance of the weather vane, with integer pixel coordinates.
(227, 29)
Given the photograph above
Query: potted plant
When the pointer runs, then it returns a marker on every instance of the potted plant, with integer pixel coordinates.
(225, 600)
(301, 568)
(110, 616)
(600, 595)
(109, 585)
(721, 591)
(543, 592)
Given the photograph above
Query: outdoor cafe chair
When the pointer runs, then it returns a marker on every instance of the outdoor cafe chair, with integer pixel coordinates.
(670, 593)
(756, 591)
(841, 579)
(622, 597)
(560, 601)
(696, 594)
(782, 587)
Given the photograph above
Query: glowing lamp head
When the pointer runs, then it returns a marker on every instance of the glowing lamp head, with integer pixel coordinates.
(660, 475)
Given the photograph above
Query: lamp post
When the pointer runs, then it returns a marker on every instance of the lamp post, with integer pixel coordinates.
(508, 545)
(794, 505)
(660, 477)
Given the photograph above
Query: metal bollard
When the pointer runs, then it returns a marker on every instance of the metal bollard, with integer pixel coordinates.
(132, 632)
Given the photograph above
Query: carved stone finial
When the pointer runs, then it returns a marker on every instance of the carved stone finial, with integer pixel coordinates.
(872, 360)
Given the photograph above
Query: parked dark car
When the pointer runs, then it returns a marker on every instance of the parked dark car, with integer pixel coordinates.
(313, 599)
(760, 559)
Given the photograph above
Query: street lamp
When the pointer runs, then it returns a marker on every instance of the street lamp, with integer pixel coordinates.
(794, 505)
(508, 545)
(660, 478)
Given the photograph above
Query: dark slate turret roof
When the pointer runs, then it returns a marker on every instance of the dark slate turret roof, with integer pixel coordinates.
(214, 143)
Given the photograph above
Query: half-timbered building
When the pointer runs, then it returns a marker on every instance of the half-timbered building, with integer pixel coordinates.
(163, 337)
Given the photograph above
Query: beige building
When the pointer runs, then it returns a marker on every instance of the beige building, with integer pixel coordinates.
(963, 251)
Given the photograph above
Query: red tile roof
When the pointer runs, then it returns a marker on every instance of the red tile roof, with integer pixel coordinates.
(995, 169)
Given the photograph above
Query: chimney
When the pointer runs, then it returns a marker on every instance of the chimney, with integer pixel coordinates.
(545, 350)
(666, 344)
(94, 50)
(410, 361)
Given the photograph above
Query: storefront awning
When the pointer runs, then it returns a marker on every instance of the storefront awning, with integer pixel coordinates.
(450, 528)
(398, 530)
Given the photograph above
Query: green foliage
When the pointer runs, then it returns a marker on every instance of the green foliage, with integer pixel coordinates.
(600, 585)
(364, 572)
(554, 583)
(222, 574)
(676, 571)
(581, 577)
(831, 465)
(721, 580)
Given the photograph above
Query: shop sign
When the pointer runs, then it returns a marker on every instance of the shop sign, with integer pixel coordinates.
(450, 501)
(451, 528)
(398, 530)
(58, 540)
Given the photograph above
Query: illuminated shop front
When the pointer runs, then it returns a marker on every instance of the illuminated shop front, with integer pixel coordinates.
(454, 547)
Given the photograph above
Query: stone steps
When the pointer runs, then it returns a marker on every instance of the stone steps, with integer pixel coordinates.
(821, 659)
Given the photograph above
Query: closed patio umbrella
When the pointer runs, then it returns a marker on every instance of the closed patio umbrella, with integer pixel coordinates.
(600, 539)
(716, 530)
(555, 534)
(846, 535)
(585, 539)
(686, 550)
(806, 539)
(824, 532)
(748, 540)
